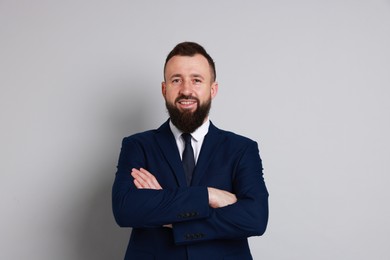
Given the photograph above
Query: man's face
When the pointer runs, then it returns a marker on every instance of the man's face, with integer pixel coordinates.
(188, 90)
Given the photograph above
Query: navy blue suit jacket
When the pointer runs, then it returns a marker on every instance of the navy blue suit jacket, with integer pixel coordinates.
(226, 161)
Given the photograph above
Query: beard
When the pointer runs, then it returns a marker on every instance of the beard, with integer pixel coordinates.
(188, 121)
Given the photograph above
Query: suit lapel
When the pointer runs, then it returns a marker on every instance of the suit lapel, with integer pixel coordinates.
(167, 144)
(210, 145)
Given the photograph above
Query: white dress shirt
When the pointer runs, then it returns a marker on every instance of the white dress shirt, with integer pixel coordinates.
(196, 140)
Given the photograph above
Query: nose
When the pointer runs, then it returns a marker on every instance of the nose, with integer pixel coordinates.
(186, 88)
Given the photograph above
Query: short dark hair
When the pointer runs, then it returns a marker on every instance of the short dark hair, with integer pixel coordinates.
(191, 49)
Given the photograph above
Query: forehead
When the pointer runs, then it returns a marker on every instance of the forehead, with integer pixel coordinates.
(186, 65)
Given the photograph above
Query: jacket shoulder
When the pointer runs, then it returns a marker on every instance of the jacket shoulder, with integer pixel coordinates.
(234, 138)
(147, 136)
(141, 136)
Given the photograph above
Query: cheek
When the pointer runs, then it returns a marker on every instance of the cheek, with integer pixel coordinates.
(206, 95)
(170, 95)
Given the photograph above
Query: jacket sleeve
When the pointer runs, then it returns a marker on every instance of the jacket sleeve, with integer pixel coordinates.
(247, 217)
(146, 208)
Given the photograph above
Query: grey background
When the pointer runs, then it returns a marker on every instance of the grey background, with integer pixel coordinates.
(309, 80)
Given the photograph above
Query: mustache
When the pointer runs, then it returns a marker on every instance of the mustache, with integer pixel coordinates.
(181, 97)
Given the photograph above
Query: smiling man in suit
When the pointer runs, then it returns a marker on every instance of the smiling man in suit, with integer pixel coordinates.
(188, 189)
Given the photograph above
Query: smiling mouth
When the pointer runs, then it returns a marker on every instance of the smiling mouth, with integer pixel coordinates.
(187, 103)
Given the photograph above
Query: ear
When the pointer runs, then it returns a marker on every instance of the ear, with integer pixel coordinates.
(163, 88)
(214, 89)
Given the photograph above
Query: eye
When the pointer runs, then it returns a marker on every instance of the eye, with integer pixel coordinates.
(176, 81)
(197, 81)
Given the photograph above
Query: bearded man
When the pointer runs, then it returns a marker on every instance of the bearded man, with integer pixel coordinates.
(188, 189)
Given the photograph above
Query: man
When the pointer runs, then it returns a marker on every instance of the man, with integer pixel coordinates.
(193, 196)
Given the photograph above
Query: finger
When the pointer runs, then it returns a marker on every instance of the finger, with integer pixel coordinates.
(145, 179)
(139, 180)
(152, 181)
(143, 170)
(136, 173)
(137, 184)
(155, 185)
(140, 184)
(139, 175)
(146, 173)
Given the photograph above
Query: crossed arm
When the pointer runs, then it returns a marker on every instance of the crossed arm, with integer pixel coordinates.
(143, 179)
(144, 202)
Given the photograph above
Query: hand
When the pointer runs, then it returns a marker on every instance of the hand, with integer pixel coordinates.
(220, 198)
(144, 179)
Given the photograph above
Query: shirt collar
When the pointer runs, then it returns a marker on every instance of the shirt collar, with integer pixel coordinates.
(197, 135)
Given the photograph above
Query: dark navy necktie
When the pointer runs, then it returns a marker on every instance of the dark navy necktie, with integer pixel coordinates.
(188, 158)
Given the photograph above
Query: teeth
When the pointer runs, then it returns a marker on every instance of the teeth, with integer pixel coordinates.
(187, 102)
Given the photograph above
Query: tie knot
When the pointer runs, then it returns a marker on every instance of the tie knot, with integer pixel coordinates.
(186, 137)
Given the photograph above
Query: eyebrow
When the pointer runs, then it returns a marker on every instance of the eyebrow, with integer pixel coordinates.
(175, 76)
(195, 75)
